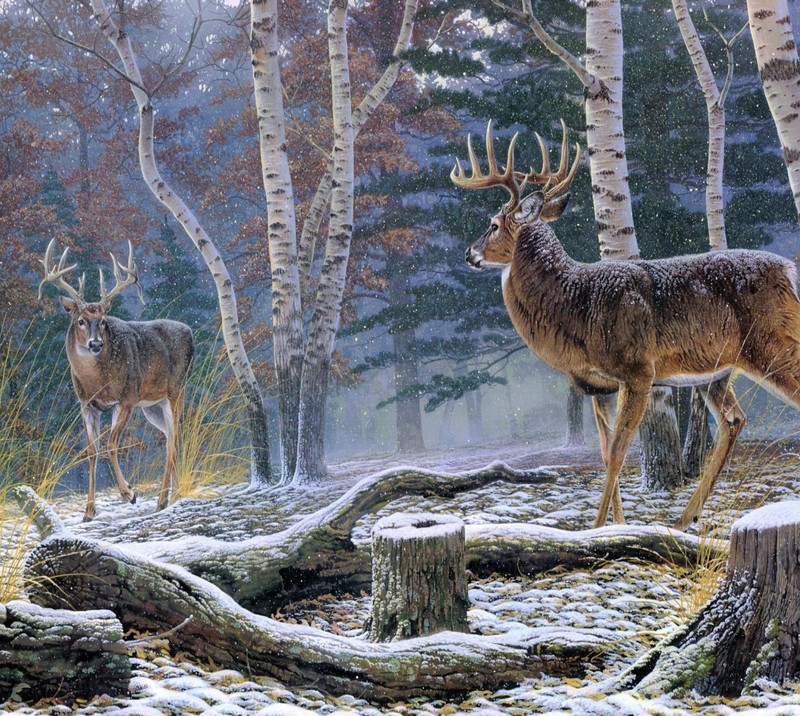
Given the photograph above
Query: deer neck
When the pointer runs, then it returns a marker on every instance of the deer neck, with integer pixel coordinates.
(535, 283)
(91, 373)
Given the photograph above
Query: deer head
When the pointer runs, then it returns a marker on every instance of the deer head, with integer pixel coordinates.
(496, 247)
(88, 327)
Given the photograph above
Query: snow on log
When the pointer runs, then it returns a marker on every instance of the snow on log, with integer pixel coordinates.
(68, 572)
(419, 576)
(60, 654)
(528, 549)
(750, 628)
(316, 555)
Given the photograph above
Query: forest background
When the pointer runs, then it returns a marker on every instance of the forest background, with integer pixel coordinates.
(426, 356)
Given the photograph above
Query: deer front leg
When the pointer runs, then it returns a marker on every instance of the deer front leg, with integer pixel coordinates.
(730, 419)
(602, 406)
(91, 424)
(119, 420)
(630, 409)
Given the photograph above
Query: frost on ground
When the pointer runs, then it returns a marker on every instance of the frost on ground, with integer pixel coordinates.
(638, 603)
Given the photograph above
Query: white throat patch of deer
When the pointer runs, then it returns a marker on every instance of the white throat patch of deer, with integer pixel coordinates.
(119, 365)
(624, 326)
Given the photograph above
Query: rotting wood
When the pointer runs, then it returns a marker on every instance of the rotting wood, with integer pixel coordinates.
(749, 629)
(419, 576)
(60, 654)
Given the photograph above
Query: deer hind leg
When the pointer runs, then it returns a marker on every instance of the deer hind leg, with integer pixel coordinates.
(91, 423)
(119, 420)
(602, 406)
(163, 416)
(631, 406)
(730, 419)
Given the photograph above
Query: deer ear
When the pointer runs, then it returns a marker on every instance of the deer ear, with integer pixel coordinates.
(529, 208)
(68, 304)
(555, 207)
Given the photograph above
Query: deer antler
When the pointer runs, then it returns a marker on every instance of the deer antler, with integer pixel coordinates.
(131, 278)
(478, 180)
(55, 274)
(558, 183)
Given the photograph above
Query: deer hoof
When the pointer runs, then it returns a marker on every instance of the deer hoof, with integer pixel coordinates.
(133, 498)
(88, 518)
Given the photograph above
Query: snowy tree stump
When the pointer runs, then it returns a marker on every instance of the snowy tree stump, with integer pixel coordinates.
(60, 654)
(750, 628)
(419, 576)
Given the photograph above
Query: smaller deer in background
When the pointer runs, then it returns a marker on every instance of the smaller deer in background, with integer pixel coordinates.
(119, 365)
(625, 326)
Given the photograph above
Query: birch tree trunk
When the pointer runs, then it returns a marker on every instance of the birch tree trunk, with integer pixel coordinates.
(287, 330)
(779, 67)
(361, 114)
(327, 310)
(611, 195)
(226, 296)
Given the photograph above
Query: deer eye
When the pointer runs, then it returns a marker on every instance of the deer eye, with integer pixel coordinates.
(102, 323)
(81, 322)
(495, 227)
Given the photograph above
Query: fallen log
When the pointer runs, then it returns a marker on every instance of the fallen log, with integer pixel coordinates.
(60, 654)
(317, 555)
(750, 628)
(150, 596)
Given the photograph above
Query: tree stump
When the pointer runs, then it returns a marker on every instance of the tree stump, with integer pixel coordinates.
(59, 653)
(419, 576)
(750, 628)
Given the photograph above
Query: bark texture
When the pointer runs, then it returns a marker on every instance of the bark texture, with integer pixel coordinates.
(419, 576)
(152, 596)
(287, 330)
(226, 295)
(310, 464)
(698, 436)
(661, 445)
(54, 653)
(779, 67)
(750, 628)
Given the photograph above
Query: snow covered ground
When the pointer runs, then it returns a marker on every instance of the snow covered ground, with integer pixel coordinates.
(638, 602)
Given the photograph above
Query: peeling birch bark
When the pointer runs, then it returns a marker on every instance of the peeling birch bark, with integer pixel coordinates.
(361, 114)
(287, 329)
(310, 464)
(226, 296)
(779, 67)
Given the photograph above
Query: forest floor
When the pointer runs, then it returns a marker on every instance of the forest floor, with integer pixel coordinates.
(638, 602)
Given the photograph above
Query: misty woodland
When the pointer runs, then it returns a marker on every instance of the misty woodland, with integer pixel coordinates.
(399, 357)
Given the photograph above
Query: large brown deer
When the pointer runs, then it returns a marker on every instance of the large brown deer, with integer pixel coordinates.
(118, 365)
(625, 326)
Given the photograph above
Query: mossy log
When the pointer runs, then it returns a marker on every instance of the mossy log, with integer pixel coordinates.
(151, 596)
(317, 556)
(750, 628)
(419, 576)
(60, 654)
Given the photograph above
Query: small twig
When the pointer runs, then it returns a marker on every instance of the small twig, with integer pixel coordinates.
(147, 640)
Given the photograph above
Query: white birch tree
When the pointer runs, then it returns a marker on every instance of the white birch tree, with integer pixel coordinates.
(779, 68)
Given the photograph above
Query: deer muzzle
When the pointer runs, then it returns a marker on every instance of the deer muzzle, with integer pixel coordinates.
(474, 257)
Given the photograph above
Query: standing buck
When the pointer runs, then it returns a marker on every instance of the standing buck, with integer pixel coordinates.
(118, 365)
(625, 326)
